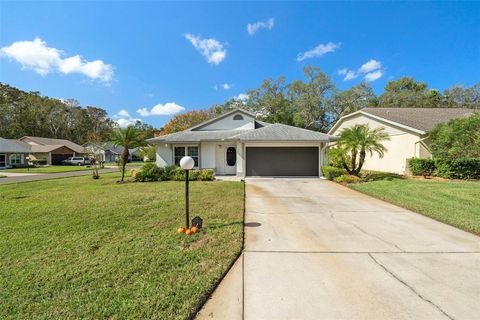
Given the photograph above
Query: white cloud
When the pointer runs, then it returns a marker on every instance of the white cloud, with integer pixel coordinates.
(225, 86)
(123, 119)
(166, 109)
(370, 70)
(252, 28)
(370, 66)
(212, 49)
(318, 51)
(241, 97)
(372, 76)
(37, 56)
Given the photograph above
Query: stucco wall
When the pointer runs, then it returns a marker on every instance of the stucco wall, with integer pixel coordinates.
(207, 155)
(164, 155)
(402, 145)
(228, 123)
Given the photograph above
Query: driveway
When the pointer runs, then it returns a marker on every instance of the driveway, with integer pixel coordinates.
(318, 250)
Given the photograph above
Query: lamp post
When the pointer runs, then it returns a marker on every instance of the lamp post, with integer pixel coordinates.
(28, 163)
(187, 163)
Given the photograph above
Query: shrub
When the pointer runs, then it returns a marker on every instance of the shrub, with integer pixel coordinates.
(206, 175)
(177, 174)
(193, 174)
(421, 166)
(40, 162)
(347, 179)
(134, 173)
(379, 175)
(336, 156)
(149, 172)
(459, 168)
(332, 172)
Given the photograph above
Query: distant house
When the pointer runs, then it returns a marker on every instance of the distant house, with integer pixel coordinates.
(236, 143)
(408, 129)
(109, 153)
(52, 150)
(13, 153)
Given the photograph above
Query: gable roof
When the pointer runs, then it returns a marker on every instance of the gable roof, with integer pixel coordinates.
(223, 115)
(13, 146)
(419, 120)
(54, 143)
(282, 132)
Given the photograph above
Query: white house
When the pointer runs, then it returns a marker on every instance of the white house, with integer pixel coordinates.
(235, 143)
(408, 130)
(13, 153)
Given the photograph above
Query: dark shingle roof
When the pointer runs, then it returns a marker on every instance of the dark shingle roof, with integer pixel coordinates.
(55, 143)
(423, 119)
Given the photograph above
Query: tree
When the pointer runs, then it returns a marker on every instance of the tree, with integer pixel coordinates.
(459, 138)
(184, 121)
(129, 138)
(460, 97)
(409, 93)
(351, 100)
(356, 141)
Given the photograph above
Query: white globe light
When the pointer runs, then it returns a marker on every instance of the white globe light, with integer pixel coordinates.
(187, 163)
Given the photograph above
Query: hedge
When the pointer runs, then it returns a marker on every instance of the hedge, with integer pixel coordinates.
(450, 168)
(421, 166)
(151, 172)
(332, 172)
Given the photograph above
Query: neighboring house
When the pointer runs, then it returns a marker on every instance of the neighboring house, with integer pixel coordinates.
(108, 153)
(13, 153)
(52, 150)
(408, 130)
(235, 143)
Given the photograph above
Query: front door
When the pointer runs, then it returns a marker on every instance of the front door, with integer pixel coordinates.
(230, 160)
(3, 161)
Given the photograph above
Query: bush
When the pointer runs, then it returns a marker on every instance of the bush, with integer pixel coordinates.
(177, 174)
(332, 172)
(369, 175)
(336, 156)
(460, 168)
(134, 173)
(40, 162)
(347, 179)
(421, 166)
(206, 175)
(149, 172)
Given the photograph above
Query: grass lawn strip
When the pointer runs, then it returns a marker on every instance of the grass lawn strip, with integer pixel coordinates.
(48, 169)
(454, 203)
(84, 248)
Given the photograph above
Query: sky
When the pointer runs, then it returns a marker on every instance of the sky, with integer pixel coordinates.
(151, 60)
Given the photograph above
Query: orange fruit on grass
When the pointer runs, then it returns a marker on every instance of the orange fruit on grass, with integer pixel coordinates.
(188, 232)
(181, 230)
(194, 229)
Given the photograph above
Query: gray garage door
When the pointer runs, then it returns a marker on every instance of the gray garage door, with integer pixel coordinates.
(282, 161)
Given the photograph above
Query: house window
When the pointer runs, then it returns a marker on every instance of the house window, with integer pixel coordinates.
(231, 156)
(180, 152)
(237, 117)
(15, 159)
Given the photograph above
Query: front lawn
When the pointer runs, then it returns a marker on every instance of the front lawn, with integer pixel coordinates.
(84, 248)
(454, 203)
(48, 169)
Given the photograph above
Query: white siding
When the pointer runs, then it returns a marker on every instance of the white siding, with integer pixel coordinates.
(228, 123)
(164, 155)
(401, 146)
(207, 155)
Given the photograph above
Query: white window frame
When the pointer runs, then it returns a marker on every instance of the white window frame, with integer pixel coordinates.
(186, 153)
(15, 158)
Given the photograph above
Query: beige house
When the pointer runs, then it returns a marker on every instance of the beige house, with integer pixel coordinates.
(408, 130)
(13, 153)
(52, 150)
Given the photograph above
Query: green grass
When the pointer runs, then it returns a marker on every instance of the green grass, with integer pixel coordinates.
(454, 203)
(82, 248)
(129, 164)
(48, 169)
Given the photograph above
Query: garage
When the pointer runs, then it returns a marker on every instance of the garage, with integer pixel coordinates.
(58, 158)
(282, 161)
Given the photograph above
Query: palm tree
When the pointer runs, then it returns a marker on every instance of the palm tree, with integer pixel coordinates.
(129, 137)
(357, 141)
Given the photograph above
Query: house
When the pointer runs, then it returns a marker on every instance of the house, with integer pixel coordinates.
(109, 153)
(13, 153)
(408, 129)
(53, 150)
(235, 143)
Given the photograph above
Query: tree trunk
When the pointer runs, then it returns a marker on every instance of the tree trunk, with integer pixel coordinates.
(124, 161)
(354, 162)
(360, 162)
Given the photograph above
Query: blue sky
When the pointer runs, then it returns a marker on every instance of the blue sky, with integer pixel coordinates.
(129, 57)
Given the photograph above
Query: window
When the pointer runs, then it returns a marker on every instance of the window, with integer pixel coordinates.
(15, 159)
(237, 117)
(231, 156)
(181, 152)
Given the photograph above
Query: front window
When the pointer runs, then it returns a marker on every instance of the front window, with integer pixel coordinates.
(181, 152)
(238, 117)
(15, 159)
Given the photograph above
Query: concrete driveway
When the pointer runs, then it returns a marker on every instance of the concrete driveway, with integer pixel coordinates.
(317, 250)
